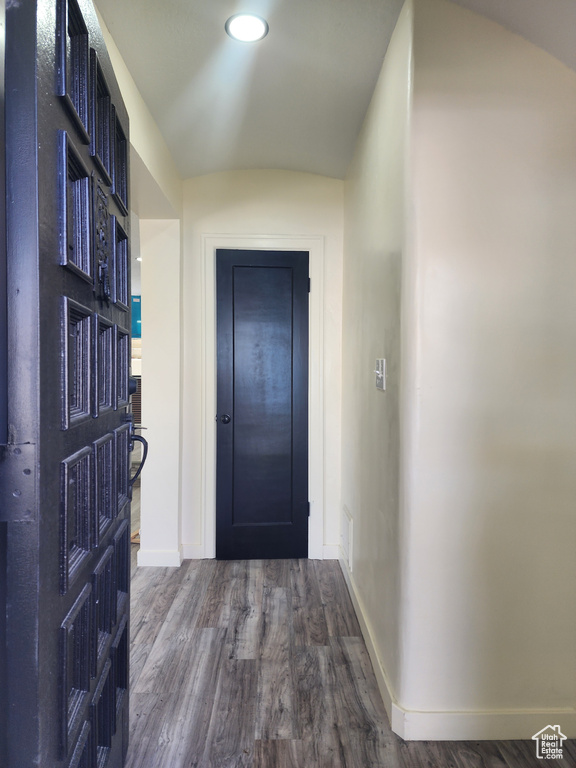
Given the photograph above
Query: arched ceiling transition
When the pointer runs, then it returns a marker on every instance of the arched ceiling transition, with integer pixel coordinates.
(297, 99)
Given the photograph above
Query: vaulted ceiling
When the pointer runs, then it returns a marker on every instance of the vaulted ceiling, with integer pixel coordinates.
(295, 100)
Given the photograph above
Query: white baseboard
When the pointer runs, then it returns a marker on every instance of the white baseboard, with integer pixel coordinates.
(479, 726)
(453, 726)
(193, 552)
(160, 558)
(331, 552)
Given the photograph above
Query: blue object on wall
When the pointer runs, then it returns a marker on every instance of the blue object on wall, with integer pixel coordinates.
(136, 317)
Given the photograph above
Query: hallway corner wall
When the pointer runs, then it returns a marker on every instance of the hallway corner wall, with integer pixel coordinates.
(374, 261)
(490, 604)
(462, 275)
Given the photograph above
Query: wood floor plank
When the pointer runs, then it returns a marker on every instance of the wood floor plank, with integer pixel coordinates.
(151, 601)
(360, 711)
(292, 753)
(246, 613)
(570, 749)
(215, 608)
(140, 584)
(315, 707)
(365, 751)
(309, 622)
(168, 657)
(338, 609)
(230, 741)
(356, 683)
(166, 664)
(517, 756)
(239, 587)
(477, 754)
(147, 712)
(280, 753)
(328, 754)
(313, 702)
(425, 754)
(276, 573)
(274, 714)
(522, 754)
(275, 709)
(181, 737)
(181, 618)
(139, 653)
(275, 625)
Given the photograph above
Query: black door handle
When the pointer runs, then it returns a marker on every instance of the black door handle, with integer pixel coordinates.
(144, 442)
(225, 419)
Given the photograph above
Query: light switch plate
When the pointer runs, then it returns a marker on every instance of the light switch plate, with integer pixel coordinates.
(380, 372)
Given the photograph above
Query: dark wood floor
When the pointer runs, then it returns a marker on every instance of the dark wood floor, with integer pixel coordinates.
(261, 664)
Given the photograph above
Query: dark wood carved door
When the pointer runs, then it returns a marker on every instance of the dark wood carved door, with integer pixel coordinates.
(64, 459)
(262, 432)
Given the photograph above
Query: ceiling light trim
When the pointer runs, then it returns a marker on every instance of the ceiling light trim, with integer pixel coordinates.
(255, 28)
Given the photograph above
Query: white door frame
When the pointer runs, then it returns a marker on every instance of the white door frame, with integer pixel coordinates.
(315, 245)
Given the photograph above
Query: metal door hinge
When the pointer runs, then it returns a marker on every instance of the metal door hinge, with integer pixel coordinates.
(309, 285)
(308, 509)
(17, 483)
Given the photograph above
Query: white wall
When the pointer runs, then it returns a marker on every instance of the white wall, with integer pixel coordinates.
(460, 480)
(280, 210)
(160, 532)
(149, 152)
(490, 449)
(373, 264)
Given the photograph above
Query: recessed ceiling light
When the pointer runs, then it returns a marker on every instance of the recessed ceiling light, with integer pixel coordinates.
(246, 27)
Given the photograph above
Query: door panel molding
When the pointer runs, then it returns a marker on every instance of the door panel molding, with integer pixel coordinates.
(315, 245)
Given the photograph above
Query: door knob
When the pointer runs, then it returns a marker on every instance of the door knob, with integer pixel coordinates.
(225, 419)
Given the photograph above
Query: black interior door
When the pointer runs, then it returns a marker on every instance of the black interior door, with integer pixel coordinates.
(262, 422)
(64, 460)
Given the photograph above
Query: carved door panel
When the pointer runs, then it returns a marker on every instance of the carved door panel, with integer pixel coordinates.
(64, 482)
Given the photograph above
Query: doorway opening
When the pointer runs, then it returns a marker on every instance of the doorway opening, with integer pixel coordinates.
(136, 373)
(315, 245)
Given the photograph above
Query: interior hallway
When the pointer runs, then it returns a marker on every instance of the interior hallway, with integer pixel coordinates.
(261, 664)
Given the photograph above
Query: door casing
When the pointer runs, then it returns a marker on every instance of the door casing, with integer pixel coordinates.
(316, 248)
